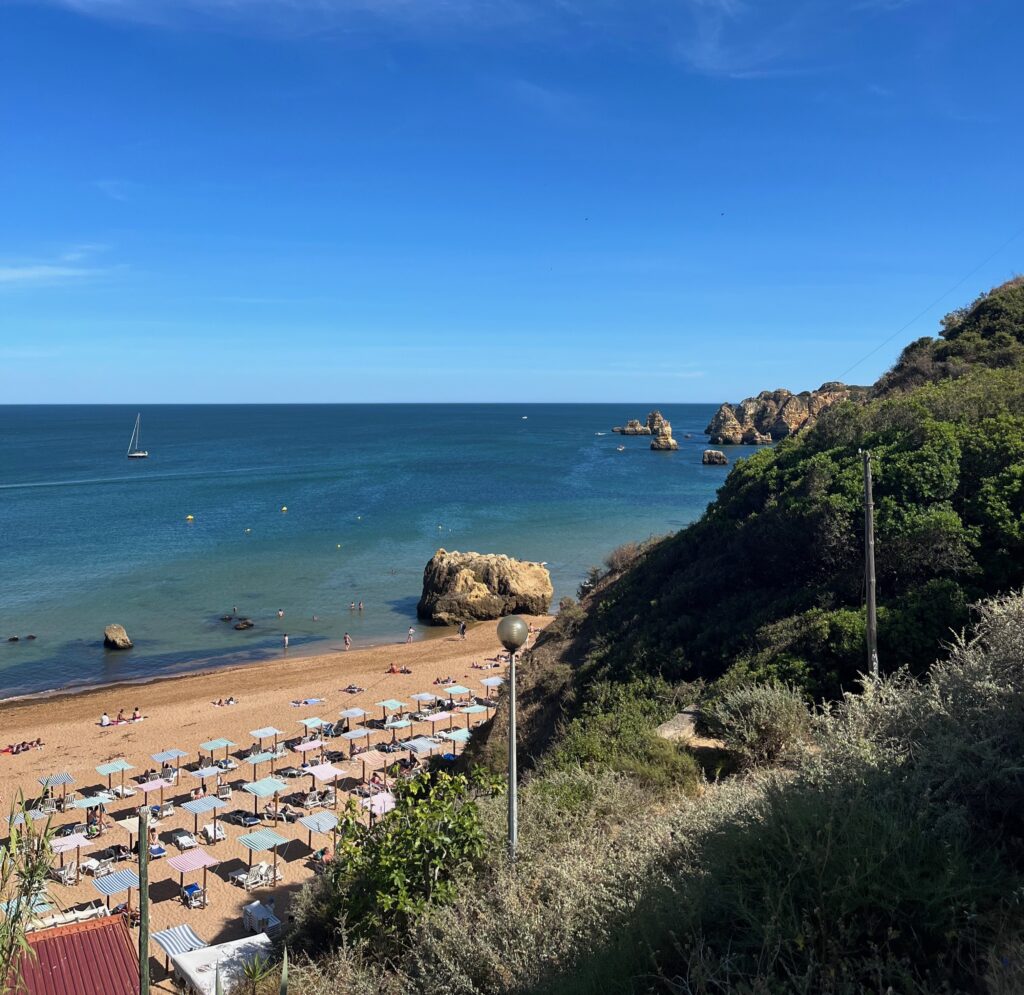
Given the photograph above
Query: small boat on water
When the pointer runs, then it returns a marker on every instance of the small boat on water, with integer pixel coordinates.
(135, 450)
(620, 449)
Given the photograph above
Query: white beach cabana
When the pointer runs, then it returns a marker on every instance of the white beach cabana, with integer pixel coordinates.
(198, 969)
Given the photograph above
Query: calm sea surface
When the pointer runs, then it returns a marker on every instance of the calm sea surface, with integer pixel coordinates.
(88, 537)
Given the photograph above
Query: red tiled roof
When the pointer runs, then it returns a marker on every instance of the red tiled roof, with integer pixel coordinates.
(85, 958)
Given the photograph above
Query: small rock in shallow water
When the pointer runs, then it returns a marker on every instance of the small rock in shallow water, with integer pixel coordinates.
(116, 638)
(13, 639)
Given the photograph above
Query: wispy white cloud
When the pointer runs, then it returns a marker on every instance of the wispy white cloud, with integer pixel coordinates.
(737, 39)
(39, 273)
(63, 267)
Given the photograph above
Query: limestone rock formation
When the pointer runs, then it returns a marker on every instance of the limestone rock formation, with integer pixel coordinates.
(663, 434)
(115, 638)
(465, 586)
(654, 425)
(776, 414)
(633, 427)
(714, 457)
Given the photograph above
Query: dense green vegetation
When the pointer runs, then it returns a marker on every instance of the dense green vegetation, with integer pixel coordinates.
(769, 582)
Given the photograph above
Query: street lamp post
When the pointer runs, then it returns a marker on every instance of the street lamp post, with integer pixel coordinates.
(513, 633)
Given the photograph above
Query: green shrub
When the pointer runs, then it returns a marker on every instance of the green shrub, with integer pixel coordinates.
(760, 723)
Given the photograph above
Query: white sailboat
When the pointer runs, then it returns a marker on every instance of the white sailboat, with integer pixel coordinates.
(135, 450)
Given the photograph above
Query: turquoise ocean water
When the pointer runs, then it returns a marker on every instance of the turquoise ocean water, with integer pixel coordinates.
(89, 537)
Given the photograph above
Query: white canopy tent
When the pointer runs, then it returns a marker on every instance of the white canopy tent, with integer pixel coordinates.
(198, 968)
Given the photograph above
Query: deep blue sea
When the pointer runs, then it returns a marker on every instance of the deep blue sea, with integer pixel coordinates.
(89, 537)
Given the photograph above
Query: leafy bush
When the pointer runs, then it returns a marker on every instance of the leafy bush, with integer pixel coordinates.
(760, 723)
(615, 729)
(385, 875)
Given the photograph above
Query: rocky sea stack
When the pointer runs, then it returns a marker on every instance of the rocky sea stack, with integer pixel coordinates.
(714, 457)
(776, 414)
(116, 638)
(467, 586)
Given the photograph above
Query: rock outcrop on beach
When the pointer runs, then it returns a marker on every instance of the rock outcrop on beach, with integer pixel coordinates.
(663, 435)
(776, 414)
(468, 586)
(116, 638)
(714, 457)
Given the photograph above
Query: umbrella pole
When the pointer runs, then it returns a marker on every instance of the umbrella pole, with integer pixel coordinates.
(205, 869)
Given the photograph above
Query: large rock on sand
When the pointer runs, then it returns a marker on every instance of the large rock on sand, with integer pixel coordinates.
(115, 638)
(465, 586)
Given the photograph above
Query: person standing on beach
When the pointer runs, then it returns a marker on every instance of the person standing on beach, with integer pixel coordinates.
(409, 635)
(348, 641)
(286, 640)
(462, 630)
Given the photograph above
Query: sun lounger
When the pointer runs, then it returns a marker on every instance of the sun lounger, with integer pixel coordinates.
(193, 896)
(253, 877)
(156, 851)
(183, 839)
(66, 875)
(224, 792)
(210, 836)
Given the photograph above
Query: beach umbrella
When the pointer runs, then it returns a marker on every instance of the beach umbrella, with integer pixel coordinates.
(304, 748)
(111, 884)
(131, 827)
(378, 804)
(457, 735)
(325, 772)
(261, 840)
(217, 744)
(492, 682)
(311, 723)
(353, 734)
(75, 841)
(34, 815)
(448, 717)
(390, 705)
(172, 756)
(61, 780)
(374, 759)
(108, 770)
(456, 691)
(267, 787)
(200, 806)
(348, 714)
(420, 744)
(470, 710)
(395, 724)
(261, 758)
(425, 697)
(320, 822)
(265, 733)
(157, 784)
(204, 772)
(177, 940)
(192, 860)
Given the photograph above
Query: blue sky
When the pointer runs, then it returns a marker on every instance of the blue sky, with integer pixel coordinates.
(534, 200)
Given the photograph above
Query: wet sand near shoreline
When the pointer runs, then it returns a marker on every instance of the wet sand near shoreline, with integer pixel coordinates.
(180, 713)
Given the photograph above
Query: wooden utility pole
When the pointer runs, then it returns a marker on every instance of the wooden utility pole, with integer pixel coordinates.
(869, 567)
(143, 901)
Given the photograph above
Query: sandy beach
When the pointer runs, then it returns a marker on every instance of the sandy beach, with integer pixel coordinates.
(180, 713)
